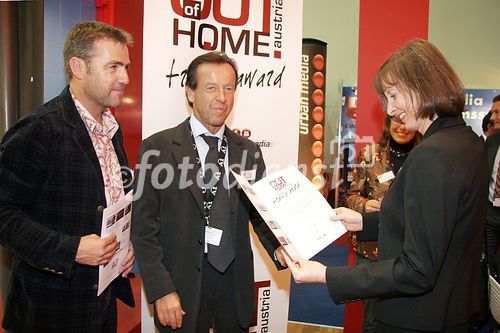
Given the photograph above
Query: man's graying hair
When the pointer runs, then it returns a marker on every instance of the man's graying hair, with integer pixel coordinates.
(81, 38)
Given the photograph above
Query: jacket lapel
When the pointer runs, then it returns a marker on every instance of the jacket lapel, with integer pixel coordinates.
(80, 134)
(186, 154)
(235, 160)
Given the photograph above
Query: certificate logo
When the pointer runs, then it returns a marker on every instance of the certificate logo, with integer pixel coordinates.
(278, 183)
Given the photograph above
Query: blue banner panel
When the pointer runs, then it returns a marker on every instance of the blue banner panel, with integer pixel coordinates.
(310, 303)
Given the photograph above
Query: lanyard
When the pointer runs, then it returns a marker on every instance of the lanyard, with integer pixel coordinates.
(209, 193)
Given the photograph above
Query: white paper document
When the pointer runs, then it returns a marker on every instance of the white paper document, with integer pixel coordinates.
(115, 221)
(295, 211)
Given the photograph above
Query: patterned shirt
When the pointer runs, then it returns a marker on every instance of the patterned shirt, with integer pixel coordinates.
(101, 136)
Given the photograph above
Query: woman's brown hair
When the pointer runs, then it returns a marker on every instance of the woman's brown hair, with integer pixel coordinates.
(420, 70)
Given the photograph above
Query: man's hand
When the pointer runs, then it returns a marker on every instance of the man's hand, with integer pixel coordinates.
(169, 310)
(280, 255)
(352, 220)
(128, 263)
(305, 271)
(372, 206)
(94, 250)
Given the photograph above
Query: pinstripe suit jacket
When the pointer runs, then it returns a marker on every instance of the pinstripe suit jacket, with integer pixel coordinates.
(52, 194)
(492, 143)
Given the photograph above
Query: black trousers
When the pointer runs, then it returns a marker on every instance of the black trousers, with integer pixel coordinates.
(109, 314)
(218, 301)
(109, 324)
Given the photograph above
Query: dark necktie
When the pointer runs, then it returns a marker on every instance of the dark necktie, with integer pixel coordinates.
(219, 256)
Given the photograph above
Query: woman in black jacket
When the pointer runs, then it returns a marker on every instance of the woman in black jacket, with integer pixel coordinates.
(431, 221)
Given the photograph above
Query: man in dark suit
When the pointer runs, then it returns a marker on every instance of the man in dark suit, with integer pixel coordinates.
(493, 211)
(59, 167)
(190, 230)
(487, 126)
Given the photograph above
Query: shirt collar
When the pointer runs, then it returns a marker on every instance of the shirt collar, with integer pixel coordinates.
(198, 129)
(109, 124)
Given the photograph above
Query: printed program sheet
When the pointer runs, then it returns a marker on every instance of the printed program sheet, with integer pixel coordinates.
(115, 221)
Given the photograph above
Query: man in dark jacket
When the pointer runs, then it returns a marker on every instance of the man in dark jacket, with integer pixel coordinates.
(192, 238)
(493, 212)
(60, 166)
(487, 126)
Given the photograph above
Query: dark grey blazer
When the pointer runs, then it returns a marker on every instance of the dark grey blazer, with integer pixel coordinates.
(51, 194)
(430, 232)
(168, 223)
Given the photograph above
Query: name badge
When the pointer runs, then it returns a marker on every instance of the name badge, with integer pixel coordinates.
(213, 235)
(386, 177)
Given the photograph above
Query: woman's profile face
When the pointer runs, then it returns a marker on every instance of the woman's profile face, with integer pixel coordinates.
(400, 133)
(401, 109)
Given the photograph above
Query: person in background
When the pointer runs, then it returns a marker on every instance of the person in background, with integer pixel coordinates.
(491, 239)
(376, 167)
(487, 126)
(60, 166)
(191, 234)
(493, 211)
(431, 222)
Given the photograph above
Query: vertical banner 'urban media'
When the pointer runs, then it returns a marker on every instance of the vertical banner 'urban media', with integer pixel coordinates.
(312, 110)
(265, 39)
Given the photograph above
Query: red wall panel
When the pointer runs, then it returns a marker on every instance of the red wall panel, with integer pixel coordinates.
(128, 15)
(384, 26)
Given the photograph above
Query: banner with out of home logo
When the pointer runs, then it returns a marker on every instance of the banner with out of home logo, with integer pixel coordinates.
(265, 39)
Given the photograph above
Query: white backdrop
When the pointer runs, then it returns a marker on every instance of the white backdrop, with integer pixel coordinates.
(265, 39)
